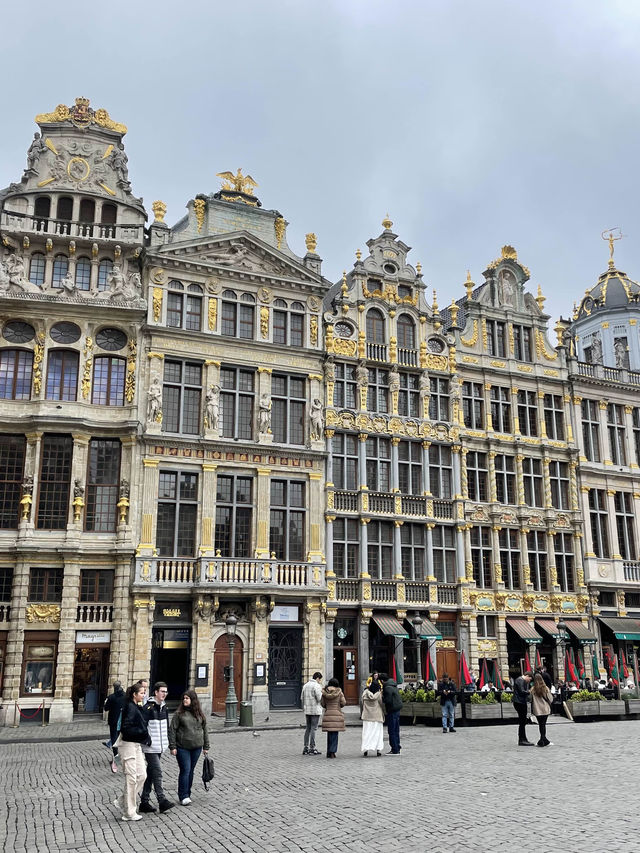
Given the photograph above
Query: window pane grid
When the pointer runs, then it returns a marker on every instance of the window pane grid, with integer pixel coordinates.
(55, 480)
(12, 456)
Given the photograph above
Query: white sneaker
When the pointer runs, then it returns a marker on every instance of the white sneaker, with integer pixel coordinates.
(186, 801)
(135, 817)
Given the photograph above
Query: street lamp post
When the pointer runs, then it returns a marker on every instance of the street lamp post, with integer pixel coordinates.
(417, 624)
(231, 702)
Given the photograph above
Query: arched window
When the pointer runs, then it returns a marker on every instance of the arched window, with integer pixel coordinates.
(108, 380)
(60, 269)
(36, 269)
(83, 273)
(42, 212)
(15, 374)
(375, 327)
(87, 216)
(108, 219)
(104, 270)
(62, 375)
(406, 332)
(237, 320)
(64, 215)
(288, 323)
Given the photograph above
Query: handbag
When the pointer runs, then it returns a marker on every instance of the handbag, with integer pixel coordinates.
(208, 771)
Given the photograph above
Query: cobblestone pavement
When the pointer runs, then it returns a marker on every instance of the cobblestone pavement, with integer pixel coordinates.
(474, 790)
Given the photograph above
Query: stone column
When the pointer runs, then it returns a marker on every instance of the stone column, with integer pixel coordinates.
(315, 503)
(524, 554)
(514, 409)
(363, 647)
(541, 420)
(468, 563)
(426, 484)
(497, 565)
(146, 546)
(315, 631)
(62, 706)
(493, 493)
(395, 472)
(611, 507)
(520, 479)
(143, 609)
(604, 433)
(397, 549)
(331, 615)
(551, 562)
(501, 639)
(208, 508)
(573, 486)
(15, 640)
(156, 372)
(328, 543)
(460, 552)
(588, 540)
(202, 650)
(575, 415)
(546, 479)
(363, 548)
(487, 407)
(632, 462)
(121, 625)
(464, 479)
(263, 502)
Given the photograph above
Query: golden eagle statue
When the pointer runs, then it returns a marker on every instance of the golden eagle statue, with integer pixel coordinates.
(238, 183)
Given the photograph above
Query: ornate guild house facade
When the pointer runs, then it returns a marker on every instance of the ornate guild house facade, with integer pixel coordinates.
(197, 425)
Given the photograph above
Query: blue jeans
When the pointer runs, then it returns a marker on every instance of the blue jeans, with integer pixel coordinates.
(332, 742)
(187, 760)
(448, 714)
(393, 730)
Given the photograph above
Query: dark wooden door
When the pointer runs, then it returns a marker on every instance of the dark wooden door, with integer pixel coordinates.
(447, 661)
(345, 669)
(221, 659)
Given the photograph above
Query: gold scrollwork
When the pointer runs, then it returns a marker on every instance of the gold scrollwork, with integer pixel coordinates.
(88, 364)
(473, 340)
(279, 228)
(213, 313)
(437, 362)
(313, 330)
(342, 347)
(130, 381)
(43, 613)
(264, 322)
(157, 304)
(38, 355)
(541, 349)
(199, 207)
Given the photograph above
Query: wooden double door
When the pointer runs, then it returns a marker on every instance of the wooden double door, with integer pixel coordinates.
(221, 660)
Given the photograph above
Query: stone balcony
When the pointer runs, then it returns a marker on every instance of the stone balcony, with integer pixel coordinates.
(220, 574)
(94, 614)
(614, 572)
(397, 593)
(386, 504)
(610, 374)
(27, 224)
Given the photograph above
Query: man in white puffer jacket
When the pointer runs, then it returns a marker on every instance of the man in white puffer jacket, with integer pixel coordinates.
(157, 715)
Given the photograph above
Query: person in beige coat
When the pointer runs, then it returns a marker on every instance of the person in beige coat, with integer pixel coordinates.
(372, 719)
(333, 702)
(541, 700)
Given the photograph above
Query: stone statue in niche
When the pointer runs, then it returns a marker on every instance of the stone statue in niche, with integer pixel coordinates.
(154, 402)
(424, 386)
(316, 419)
(78, 489)
(124, 488)
(394, 379)
(36, 149)
(330, 369)
(12, 276)
(507, 288)
(119, 160)
(362, 374)
(264, 415)
(596, 349)
(68, 284)
(620, 352)
(212, 406)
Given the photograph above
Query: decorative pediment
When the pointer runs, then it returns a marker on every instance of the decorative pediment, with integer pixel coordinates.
(241, 253)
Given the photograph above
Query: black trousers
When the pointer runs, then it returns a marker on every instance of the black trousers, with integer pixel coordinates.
(542, 725)
(521, 708)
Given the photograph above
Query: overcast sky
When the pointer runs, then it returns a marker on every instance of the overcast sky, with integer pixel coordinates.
(474, 123)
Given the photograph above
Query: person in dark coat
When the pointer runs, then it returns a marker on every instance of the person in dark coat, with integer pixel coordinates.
(333, 702)
(114, 705)
(447, 694)
(133, 733)
(392, 705)
(520, 699)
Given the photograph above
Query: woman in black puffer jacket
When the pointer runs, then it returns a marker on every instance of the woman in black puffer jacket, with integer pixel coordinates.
(133, 733)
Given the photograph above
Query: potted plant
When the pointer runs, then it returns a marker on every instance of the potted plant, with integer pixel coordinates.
(506, 704)
(585, 703)
(408, 696)
(483, 707)
(425, 704)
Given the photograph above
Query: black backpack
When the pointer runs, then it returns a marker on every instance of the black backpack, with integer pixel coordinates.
(208, 771)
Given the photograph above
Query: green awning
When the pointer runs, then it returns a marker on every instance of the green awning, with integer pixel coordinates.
(623, 627)
(525, 630)
(580, 631)
(390, 625)
(428, 631)
(549, 626)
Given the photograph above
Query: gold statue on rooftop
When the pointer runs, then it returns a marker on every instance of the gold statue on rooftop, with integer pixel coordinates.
(237, 183)
(611, 235)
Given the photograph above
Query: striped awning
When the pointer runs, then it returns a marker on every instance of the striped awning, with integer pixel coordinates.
(390, 625)
(623, 627)
(549, 626)
(525, 630)
(580, 631)
(428, 631)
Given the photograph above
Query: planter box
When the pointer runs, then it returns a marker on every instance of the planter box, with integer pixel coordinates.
(585, 709)
(426, 709)
(483, 712)
(612, 708)
(633, 706)
(407, 709)
(508, 711)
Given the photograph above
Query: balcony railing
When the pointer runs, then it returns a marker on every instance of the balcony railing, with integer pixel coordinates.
(347, 590)
(612, 374)
(442, 509)
(67, 228)
(386, 503)
(346, 501)
(205, 571)
(414, 505)
(408, 357)
(94, 613)
(631, 571)
(381, 502)
(377, 352)
(417, 592)
(5, 612)
(383, 591)
(447, 593)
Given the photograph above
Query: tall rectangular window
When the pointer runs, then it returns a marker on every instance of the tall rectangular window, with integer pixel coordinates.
(635, 416)
(505, 479)
(554, 416)
(591, 430)
(477, 476)
(533, 481)
(522, 342)
(599, 519)
(380, 550)
(346, 547)
(45, 585)
(413, 552)
(12, 454)
(378, 390)
(288, 394)
(473, 405)
(103, 476)
(177, 514)
(481, 556)
(234, 506)
(564, 561)
(486, 626)
(181, 394)
(344, 452)
(378, 464)
(410, 467)
(559, 477)
(237, 320)
(55, 479)
(409, 395)
(237, 398)
(496, 338)
(96, 586)
(444, 553)
(528, 412)
(345, 389)
(62, 375)
(537, 550)
(439, 399)
(6, 583)
(287, 520)
(16, 371)
(501, 409)
(616, 426)
(625, 525)
(440, 471)
(108, 381)
(509, 541)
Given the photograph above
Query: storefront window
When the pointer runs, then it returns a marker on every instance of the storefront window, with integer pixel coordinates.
(39, 666)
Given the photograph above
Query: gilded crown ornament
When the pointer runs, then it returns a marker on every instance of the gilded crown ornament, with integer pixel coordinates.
(387, 223)
(81, 115)
(159, 209)
(311, 242)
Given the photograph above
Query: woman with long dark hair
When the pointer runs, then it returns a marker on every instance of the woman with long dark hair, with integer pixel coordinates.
(541, 700)
(133, 733)
(188, 737)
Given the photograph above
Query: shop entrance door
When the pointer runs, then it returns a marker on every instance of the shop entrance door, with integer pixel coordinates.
(170, 660)
(221, 660)
(285, 667)
(345, 669)
(447, 661)
(90, 674)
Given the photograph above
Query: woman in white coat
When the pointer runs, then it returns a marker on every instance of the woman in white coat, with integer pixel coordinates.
(372, 719)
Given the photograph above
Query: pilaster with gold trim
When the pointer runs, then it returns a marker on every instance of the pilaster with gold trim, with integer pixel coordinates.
(150, 476)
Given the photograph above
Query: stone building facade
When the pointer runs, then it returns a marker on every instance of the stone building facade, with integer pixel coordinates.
(196, 423)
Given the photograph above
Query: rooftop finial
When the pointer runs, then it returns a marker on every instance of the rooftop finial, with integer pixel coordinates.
(345, 286)
(435, 301)
(358, 255)
(387, 223)
(469, 284)
(419, 268)
(540, 299)
(611, 235)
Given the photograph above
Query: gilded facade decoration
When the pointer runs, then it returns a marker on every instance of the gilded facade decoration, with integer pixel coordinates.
(473, 340)
(88, 368)
(130, 381)
(159, 209)
(199, 208)
(264, 322)
(212, 315)
(157, 304)
(313, 330)
(42, 613)
(279, 226)
(81, 115)
(38, 355)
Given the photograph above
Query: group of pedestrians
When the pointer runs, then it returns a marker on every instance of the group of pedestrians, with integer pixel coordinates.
(140, 733)
(541, 700)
